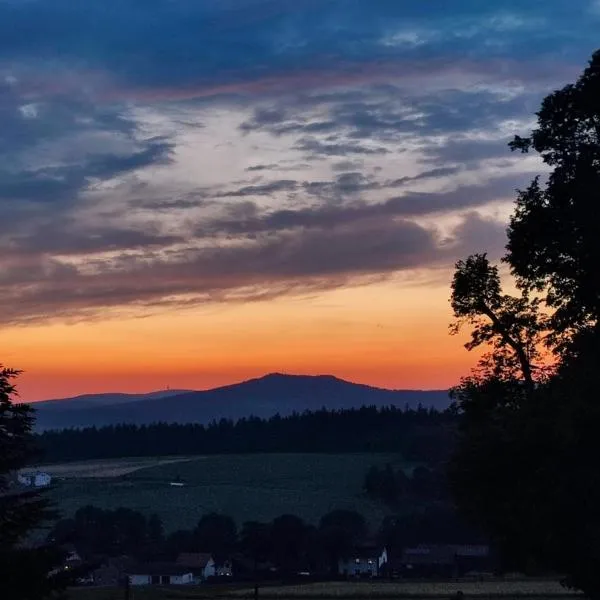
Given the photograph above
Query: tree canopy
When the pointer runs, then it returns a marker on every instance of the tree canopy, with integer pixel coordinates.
(553, 238)
(420, 435)
(525, 468)
(26, 572)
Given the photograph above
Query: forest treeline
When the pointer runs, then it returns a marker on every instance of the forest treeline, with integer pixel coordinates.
(420, 435)
(287, 542)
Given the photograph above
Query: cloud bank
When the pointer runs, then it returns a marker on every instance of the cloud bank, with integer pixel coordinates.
(168, 153)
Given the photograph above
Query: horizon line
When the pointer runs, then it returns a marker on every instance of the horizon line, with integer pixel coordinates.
(233, 383)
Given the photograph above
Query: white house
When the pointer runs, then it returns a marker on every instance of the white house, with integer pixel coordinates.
(34, 478)
(204, 566)
(160, 574)
(365, 561)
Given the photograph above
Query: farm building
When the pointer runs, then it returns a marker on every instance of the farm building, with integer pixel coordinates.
(204, 566)
(34, 478)
(365, 561)
(160, 574)
(441, 560)
(427, 560)
(106, 574)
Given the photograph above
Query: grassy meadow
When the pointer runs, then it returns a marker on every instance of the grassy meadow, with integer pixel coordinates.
(247, 487)
(414, 589)
(508, 590)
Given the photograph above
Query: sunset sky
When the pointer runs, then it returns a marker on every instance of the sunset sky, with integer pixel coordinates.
(195, 192)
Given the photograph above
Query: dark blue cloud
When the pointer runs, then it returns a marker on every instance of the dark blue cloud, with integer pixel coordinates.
(327, 216)
(452, 127)
(26, 122)
(267, 189)
(315, 148)
(387, 114)
(170, 42)
(343, 85)
(63, 183)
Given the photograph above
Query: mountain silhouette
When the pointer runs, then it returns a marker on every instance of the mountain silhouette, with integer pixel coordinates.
(276, 393)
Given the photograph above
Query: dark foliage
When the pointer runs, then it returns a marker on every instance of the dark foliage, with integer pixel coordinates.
(287, 543)
(554, 235)
(418, 435)
(339, 532)
(255, 542)
(109, 532)
(216, 533)
(28, 573)
(524, 468)
(392, 487)
(433, 525)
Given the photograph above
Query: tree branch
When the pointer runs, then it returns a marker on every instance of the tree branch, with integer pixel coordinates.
(514, 344)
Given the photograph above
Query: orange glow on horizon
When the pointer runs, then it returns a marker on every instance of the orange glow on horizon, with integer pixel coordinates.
(401, 341)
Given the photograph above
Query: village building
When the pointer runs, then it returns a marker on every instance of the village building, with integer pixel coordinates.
(160, 574)
(441, 560)
(34, 478)
(204, 566)
(365, 561)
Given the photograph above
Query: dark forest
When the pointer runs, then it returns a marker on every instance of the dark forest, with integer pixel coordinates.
(422, 435)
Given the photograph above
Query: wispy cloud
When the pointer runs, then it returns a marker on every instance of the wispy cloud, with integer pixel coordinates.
(166, 153)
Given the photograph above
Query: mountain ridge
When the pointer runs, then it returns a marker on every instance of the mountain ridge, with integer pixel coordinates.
(274, 393)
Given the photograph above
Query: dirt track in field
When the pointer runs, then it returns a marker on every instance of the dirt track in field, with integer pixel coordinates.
(107, 468)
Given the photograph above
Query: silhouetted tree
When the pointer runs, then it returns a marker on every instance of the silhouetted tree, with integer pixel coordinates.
(289, 537)
(553, 236)
(28, 573)
(180, 541)
(339, 532)
(256, 542)
(156, 531)
(524, 467)
(440, 525)
(392, 487)
(417, 435)
(216, 533)
(123, 531)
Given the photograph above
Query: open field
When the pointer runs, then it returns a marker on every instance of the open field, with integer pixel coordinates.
(247, 487)
(507, 590)
(416, 589)
(107, 468)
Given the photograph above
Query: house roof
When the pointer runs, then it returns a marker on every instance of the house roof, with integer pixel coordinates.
(194, 560)
(472, 551)
(159, 569)
(442, 553)
(428, 555)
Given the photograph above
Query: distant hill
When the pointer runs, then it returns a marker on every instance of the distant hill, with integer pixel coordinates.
(107, 399)
(262, 397)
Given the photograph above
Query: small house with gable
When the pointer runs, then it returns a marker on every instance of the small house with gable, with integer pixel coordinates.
(34, 478)
(365, 561)
(204, 566)
(160, 574)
